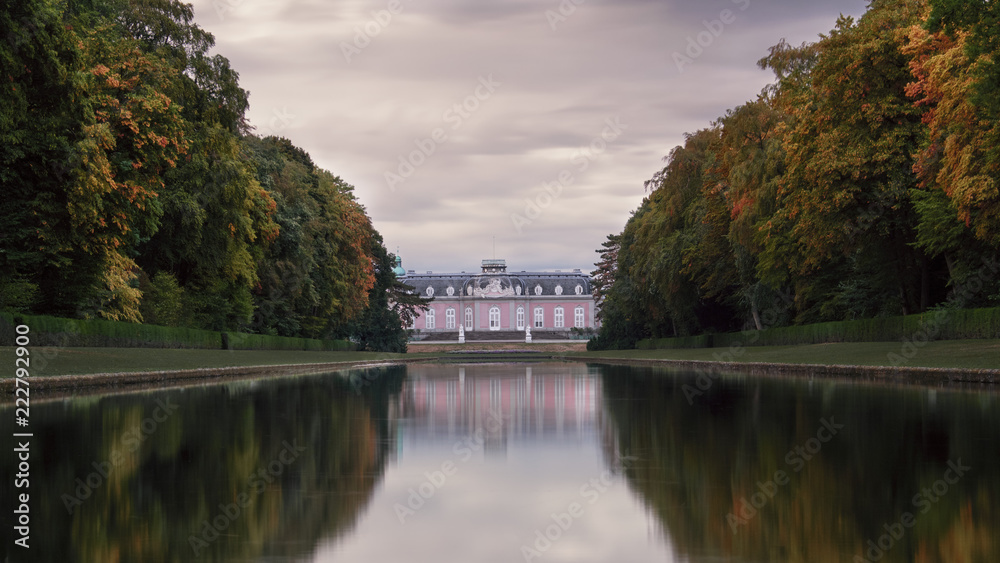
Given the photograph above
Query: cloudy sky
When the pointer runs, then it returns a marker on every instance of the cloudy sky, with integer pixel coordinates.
(532, 121)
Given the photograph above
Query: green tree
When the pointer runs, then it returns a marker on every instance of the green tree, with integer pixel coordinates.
(843, 203)
(41, 126)
(391, 307)
(604, 277)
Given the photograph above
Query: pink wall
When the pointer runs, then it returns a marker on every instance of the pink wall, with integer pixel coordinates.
(508, 318)
(569, 308)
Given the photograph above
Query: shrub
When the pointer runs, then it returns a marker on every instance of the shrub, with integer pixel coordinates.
(162, 300)
(940, 324)
(54, 331)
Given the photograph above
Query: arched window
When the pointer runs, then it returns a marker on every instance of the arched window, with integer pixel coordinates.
(494, 318)
(449, 318)
(578, 317)
(539, 317)
(520, 318)
(468, 318)
(560, 317)
(429, 319)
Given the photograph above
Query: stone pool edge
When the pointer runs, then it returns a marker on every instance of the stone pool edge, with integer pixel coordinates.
(894, 374)
(138, 380)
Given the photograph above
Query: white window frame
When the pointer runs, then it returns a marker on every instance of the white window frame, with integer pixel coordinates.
(468, 318)
(520, 318)
(539, 317)
(449, 318)
(579, 320)
(429, 320)
(494, 318)
(560, 317)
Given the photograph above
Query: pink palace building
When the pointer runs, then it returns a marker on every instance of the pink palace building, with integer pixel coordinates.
(497, 300)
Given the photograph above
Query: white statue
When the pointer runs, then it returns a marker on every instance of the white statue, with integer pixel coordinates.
(527, 334)
(461, 334)
(494, 288)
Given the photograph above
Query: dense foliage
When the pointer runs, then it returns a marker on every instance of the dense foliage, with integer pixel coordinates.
(863, 183)
(134, 189)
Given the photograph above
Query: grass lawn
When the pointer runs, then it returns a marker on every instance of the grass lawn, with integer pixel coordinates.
(67, 361)
(948, 353)
(969, 354)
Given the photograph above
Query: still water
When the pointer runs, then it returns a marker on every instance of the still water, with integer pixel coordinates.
(514, 462)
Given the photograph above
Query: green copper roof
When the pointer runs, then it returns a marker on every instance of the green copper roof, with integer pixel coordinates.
(398, 270)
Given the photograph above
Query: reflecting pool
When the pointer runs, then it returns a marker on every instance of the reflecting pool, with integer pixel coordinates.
(539, 461)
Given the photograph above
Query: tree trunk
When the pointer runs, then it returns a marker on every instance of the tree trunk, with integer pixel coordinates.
(925, 284)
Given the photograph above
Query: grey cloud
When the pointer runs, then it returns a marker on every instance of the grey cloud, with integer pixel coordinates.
(608, 58)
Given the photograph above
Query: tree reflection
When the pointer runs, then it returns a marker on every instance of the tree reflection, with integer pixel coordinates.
(698, 462)
(159, 479)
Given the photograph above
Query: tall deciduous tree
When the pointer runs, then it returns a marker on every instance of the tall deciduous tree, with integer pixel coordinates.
(957, 82)
(392, 305)
(42, 82)
(849, 155)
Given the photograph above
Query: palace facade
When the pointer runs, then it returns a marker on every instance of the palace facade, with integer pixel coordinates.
(497, 300)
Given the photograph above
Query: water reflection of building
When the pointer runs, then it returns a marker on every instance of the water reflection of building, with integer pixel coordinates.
(502, 401)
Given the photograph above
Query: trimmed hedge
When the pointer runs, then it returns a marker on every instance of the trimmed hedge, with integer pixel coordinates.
(243, 341)
(699, 341)
(54, 331)
(943, 324)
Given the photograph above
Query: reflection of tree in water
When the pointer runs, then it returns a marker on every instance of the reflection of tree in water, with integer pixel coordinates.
(694, 463)
(204, 456)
